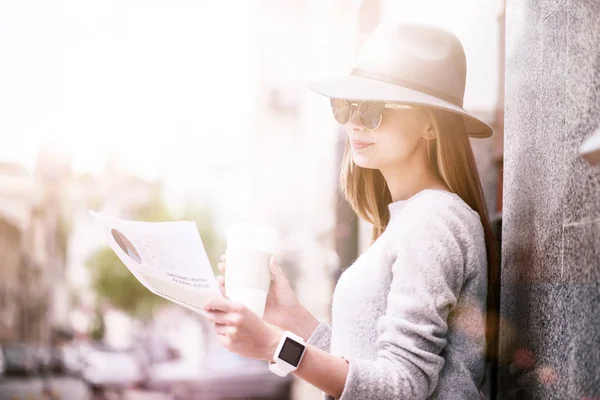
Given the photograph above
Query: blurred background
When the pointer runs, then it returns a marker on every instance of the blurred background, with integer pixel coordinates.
(164, 110)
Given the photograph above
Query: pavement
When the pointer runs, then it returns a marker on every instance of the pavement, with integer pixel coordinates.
(62, 388)
(32, 388)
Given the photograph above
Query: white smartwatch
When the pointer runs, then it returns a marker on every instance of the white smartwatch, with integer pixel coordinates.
(288, 355)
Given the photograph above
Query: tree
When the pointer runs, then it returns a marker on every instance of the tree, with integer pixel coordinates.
(113, 282)
(213, 243)
(98, 326)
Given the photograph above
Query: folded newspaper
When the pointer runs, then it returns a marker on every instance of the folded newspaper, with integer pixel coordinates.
(168, 258)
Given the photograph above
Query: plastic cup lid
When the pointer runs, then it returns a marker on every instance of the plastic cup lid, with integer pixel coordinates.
(252, 236)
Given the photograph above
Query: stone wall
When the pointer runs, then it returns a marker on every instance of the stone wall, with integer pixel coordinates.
(550, 328)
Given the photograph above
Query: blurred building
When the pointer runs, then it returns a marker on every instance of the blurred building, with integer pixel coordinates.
(10, 239)
(18, 197)
(50, 226)
(34, 296)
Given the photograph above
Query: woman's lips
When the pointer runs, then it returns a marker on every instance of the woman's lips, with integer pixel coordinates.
(360, 145)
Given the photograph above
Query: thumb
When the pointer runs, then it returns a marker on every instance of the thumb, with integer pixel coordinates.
(276, 272)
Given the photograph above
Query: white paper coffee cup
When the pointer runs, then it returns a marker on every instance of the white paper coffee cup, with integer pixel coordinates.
(247, 276)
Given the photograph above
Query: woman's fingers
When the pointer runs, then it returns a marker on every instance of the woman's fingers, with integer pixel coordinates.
(220, 319)
(217, 303)
(221, 278)
(221, 282)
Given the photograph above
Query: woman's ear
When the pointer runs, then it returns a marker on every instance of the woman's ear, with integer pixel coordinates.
(429, 131)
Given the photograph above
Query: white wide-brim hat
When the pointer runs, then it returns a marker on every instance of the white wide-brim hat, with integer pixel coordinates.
(410, 64)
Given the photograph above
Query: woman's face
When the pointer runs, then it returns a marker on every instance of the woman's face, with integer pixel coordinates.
(397, 140)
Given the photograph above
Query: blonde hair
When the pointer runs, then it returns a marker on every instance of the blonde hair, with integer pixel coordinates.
(452, 158)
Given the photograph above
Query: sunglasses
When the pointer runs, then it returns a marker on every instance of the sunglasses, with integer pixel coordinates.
(369, 112)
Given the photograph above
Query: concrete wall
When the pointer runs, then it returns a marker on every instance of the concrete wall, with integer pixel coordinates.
(550, 332)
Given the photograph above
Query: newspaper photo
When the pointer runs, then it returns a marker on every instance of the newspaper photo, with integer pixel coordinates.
(168, 258)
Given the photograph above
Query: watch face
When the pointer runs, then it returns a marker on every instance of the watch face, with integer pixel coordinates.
(291, 351)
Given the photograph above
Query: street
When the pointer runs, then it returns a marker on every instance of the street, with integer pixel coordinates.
(62, 389)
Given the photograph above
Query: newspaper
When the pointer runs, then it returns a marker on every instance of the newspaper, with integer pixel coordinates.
(168, 258)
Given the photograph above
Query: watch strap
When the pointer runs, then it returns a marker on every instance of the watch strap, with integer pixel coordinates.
(277, 369)
(280, 367)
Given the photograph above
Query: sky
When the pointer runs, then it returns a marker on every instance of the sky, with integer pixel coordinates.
(151, 83)
(164, 87)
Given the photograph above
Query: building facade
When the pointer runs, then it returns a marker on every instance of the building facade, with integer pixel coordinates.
(10, 239)
(34, 295)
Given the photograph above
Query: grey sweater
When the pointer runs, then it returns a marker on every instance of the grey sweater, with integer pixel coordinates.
(409, 314)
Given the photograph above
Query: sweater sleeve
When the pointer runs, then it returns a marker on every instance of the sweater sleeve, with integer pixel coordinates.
(427, 276)
(321, 336)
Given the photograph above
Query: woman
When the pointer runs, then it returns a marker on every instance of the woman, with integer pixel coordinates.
(409, 315)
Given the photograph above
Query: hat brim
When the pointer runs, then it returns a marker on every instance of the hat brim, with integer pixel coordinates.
(365, 89)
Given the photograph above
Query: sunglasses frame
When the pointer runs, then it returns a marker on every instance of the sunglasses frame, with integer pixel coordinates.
(356, 104)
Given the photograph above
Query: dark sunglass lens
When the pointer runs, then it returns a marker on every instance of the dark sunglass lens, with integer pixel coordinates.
(370, 114)
(341, 110)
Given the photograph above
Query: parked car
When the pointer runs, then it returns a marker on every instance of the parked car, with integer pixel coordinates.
(110, 369)
(43, 359)
(224, 375)
(57, 364)
(232, 376)
(73, 361)
(1, 364)
(19, 359)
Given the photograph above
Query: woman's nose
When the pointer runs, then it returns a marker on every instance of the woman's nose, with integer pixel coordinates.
(354, 121)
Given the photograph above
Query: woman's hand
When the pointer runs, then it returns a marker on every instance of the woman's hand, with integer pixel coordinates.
(242, 331)
(282, 303)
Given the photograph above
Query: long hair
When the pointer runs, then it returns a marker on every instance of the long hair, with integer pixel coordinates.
(452, 158)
